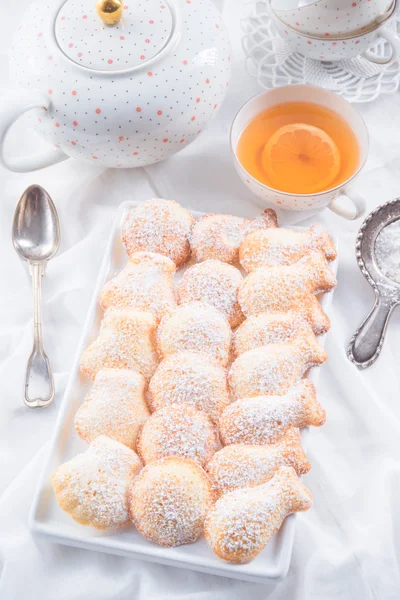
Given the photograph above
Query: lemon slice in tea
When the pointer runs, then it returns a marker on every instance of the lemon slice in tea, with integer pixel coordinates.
(301, 159)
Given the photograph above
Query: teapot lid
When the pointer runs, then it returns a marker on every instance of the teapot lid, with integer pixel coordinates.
(144, 31)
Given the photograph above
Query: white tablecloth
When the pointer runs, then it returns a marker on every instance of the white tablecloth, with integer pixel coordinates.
(348, 545)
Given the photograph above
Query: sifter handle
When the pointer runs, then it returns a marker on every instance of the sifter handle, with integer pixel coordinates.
(366, 344)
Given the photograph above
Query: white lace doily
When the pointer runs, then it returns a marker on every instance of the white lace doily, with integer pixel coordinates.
(270, 59)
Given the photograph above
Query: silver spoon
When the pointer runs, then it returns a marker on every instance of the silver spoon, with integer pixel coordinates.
(36, 238)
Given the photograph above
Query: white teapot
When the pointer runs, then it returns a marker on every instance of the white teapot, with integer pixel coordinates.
(126, 94)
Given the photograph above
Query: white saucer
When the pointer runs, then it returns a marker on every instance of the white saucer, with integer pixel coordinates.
(271, 60)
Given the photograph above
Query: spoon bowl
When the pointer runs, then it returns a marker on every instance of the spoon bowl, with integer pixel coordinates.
(36, 229)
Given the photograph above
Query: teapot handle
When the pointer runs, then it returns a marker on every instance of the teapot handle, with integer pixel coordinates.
(12, 107)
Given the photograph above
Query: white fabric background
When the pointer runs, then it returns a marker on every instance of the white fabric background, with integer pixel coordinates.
(348, 546)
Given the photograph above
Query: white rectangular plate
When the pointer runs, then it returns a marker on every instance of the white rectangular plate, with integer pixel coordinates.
(49, 521)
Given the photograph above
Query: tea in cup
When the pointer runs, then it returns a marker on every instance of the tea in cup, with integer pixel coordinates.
(299, 147)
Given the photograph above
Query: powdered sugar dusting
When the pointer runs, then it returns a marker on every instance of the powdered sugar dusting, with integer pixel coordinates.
(196, 327)
(215, 283)
(265, 328)
(94, 487)
(177, 430)
(189, 393)
(192, 379)
(387, 251)
(115, 406)
(219, 236)
(240, 466)
(170, 500)
(265, 419)
(126, 341)
(161, 226)
(242, 522)
(271, 247)
(267, 370)
(145, 284)
(278, 289)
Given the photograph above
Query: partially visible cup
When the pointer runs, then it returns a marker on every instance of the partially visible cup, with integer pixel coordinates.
(355, 204)
(337, 18)
(338, 49)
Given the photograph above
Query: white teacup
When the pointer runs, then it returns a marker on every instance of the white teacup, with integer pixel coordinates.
(338, 49)
(351, 209)
(332, 18)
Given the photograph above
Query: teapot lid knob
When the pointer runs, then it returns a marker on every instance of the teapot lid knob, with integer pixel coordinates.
(110, 11)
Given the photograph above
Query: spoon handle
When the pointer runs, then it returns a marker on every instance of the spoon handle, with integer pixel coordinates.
(39, 382)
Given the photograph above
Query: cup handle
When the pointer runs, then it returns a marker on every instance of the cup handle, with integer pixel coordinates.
(357, 200)
(12, 107)
(393, 42)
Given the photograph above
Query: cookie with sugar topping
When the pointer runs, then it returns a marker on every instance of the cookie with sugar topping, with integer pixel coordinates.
(161, 226)
(93, 487)
(276, 328)
(115, 406)
(190, 379)
(196, 327)
(145, 284)
(240, 465)
(127, 340)
(215, 283)
(272, 370)
(242, 522)
(169, 501)
(266, 419)
(177, 430)
(289, 288)
(219, 236)
(279, 246)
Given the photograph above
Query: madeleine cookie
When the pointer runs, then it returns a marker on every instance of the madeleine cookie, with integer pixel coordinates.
(272, 370)
(196, 327)
(127, 340)
(289, 288)
(94, 486)
(177, 430)
(145, 284)
(161, 226)
(215, 283)
(169, 501)
(240, 466)
(115, 407)
(266, 419)
(273, 247)
(241, 523)
(277, 328)
(219, 236)
(190, 379)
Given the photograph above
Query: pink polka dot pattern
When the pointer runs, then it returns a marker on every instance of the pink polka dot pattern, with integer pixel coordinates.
(101, 47)
(326, 48)
(119, 99)
(328, 18)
